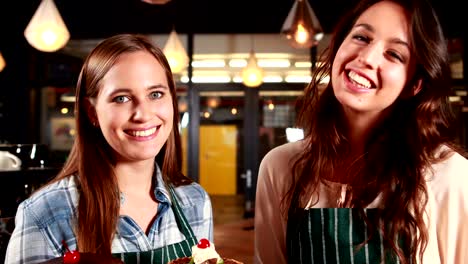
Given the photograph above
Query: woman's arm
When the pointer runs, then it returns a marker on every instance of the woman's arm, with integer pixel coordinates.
(270, 224)
(27, 243)
(449, 211)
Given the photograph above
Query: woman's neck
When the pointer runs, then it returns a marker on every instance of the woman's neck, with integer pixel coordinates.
(135, 177)
(359, 128)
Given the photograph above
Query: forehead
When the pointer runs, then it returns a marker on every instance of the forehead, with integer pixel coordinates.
(136, 58)
(138, 67)
(134, 71)
(386, 17)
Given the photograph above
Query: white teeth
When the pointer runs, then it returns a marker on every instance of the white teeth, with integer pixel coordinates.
(359, 80)
(144, 133)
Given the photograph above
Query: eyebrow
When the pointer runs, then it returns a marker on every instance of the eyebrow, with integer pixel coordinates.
(126, 90)
(393, 40)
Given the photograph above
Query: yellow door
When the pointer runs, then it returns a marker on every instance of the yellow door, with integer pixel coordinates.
(218, 150)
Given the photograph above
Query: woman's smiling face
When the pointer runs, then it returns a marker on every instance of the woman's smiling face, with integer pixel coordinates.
(134, 107)
(374, 63)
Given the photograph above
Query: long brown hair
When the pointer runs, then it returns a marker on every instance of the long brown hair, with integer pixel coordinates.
(90, 158)
(401, 149)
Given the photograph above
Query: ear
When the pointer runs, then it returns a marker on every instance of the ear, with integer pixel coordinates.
(413, 90)
(417, 87)
(91, 111)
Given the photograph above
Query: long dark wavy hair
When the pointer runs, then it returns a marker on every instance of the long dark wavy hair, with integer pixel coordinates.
(91, 158)
(400, 151)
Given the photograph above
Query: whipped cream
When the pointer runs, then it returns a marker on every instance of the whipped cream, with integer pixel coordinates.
(205, 252)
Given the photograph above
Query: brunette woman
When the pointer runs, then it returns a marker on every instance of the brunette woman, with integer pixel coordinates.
(377, 178)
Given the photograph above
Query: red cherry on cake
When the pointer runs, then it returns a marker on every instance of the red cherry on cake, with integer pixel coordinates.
(71, 257)
(203, 243)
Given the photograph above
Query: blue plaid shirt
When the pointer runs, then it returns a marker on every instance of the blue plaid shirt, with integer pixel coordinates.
(49, 216)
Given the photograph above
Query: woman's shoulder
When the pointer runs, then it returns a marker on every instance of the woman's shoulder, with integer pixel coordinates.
(284, 153)
(55, 200)
(454, 163)
(191, 194)
(451, 173)
(276, 166)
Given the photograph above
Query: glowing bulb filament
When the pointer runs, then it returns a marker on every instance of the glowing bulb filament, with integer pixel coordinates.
(49, 37)
(301, 35)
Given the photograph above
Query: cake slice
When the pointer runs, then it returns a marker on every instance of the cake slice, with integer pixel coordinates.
(204, 253)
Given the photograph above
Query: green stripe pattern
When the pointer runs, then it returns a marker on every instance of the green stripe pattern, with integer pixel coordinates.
(169, 252)
(335, 235)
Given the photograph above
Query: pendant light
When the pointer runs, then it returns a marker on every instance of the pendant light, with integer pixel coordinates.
(301, 26)
(175, 53)
(46, 31)
(156, 2)
(2, 62)
(252, 74)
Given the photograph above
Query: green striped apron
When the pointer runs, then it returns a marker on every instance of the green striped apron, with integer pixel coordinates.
(335, 235)
(169, 252)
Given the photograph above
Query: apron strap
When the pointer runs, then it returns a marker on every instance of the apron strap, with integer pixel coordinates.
(182, 222)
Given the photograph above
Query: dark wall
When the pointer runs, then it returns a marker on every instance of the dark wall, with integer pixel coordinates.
(14, 90)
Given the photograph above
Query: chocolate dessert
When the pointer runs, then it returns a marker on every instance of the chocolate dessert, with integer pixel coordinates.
(204, 253)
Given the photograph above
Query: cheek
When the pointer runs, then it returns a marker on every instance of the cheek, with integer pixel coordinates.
(166, 113)
(110, 122)
(397, 79)
(338, 62)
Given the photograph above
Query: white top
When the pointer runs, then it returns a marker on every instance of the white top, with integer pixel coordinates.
(447, 207)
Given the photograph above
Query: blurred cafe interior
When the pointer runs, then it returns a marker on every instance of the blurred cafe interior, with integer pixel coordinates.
(227, 123)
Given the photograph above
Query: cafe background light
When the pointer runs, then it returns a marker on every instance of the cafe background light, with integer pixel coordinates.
(175, 53)
(252, 74)
(2, 62)
(46, 31)
(302, 27)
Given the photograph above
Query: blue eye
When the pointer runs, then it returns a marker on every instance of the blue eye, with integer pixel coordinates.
(120, 99)
(156, 95)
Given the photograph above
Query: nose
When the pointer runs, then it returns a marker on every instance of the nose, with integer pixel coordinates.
(370, 55)
(143, 111)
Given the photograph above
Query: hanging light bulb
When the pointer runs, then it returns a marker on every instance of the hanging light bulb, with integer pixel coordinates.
(175, 53)
(182, 104)
(2, 62)
(156, 2)
(301, 26)
(301, 35)
(252, 74)
(213, 101)
(46, 31)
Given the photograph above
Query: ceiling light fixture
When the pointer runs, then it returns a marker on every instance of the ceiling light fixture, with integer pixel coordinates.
(156, 2)
(175, 53)
(274, 63)
(219, 63)
(211, 79)
(213, 101)
(303, 64)
(237, 63)
(297, 79)
(2, 62)
(46, 31)
(302, 27)
(252, 74)
(182, 104)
